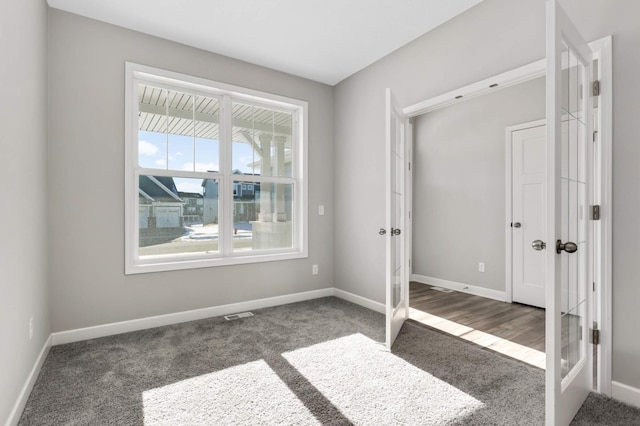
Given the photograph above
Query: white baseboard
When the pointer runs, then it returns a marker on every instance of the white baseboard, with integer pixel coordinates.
(197, 314)
(359, 300)
(461, 287)
(627, 394)
(18, 407)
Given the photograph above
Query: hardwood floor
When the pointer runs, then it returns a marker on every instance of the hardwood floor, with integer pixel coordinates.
(512, 329)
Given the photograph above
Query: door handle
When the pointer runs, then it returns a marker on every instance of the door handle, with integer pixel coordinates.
(517, 225)
(395, 231)
(569, 247)
(539, 245)
(382, 231)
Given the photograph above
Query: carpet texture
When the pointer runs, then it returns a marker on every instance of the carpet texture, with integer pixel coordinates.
(315, 362)
(598, 410)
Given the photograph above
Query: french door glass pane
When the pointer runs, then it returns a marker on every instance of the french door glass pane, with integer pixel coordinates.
(574, 212)
(177, 216)
(397, 194)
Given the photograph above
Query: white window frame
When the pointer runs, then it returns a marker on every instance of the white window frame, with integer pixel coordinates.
(226, 93)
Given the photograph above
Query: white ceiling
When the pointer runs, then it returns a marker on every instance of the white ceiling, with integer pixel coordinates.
(322, 40)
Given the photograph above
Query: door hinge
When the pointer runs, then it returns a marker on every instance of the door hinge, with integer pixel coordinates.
(594, 336)
(596, 88)
(409, 165)
(595, 132)
(595, 212)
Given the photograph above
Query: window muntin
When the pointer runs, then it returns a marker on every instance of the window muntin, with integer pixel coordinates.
(229, 185)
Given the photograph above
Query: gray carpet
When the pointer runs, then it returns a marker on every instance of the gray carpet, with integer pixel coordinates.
(599, 410)
(316, 362)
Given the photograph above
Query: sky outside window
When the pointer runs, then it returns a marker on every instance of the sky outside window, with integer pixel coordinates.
(152, 150)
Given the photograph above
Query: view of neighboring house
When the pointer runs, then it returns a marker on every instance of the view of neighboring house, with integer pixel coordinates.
(160, 205)
(246, 196)
(193, 207)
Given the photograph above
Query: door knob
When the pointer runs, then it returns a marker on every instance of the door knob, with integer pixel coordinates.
(569, 247)
(395, 231)
(382, 231)
(517, 225)
(539, 245)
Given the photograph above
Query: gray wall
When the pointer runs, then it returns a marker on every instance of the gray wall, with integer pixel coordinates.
(23, 150)
(86, 180)
(459, 184)
(495, 36)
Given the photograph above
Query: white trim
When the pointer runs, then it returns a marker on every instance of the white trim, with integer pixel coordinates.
(508, 215)
(506, 79)
(94, 332)
(625, 393)
(226, 94)
(80, 334)
(210, 87)
(20, 403)
(603, 52)
(461, 287)
(359, 300)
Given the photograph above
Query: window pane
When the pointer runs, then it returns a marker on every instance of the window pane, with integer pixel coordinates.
(177, 216)
(180, 129)
(262, 216)
(207, 145)
(152, 127)
(262, 141)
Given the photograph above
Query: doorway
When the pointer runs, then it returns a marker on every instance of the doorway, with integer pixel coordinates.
(459, 219)
(602, 184)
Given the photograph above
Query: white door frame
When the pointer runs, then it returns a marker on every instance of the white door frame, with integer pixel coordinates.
(603, 184)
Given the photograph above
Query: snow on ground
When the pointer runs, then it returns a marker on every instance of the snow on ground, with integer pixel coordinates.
(200, 232)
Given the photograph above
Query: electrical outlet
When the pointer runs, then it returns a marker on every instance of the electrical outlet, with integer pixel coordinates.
(314, 269)
(30, 328)
(481, 266)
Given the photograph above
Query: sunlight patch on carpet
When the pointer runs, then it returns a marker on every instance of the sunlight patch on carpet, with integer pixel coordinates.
(250, 393)
(506, 347)
(370, 385)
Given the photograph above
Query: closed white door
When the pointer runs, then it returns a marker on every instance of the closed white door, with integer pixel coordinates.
(528, 148)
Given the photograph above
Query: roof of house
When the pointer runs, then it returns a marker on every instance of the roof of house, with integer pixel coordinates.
(158, 188)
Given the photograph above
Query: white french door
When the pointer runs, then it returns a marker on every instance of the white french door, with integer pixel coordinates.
(569, 367)
(397, 272)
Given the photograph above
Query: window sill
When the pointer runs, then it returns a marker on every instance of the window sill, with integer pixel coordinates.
(173, 264)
